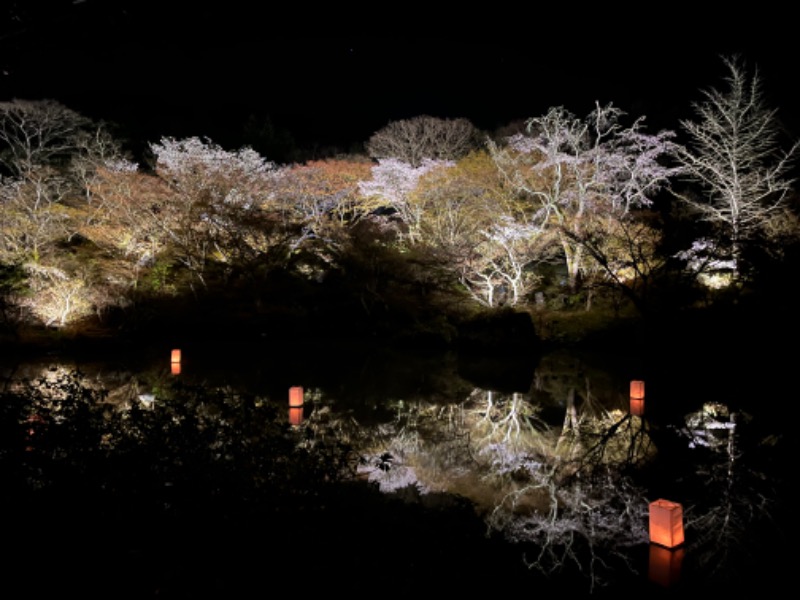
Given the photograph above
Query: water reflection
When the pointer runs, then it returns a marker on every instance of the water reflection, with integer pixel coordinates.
(664, 566)
(564, 469)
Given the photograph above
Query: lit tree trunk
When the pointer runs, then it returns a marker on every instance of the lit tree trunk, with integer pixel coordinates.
(573, 256)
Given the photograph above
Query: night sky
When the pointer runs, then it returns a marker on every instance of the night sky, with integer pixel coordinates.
(160, 70)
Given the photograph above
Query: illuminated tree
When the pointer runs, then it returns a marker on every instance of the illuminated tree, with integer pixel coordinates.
(38, 140)
(58, 297)
(37, 132)
(423, 138)
(735, 155)
(625, 255)
(394, 182)
(33, 216)
(458, 202)
(575, 171)
(48, 154)
(321, 203)
(96, 149)
(216, 193)
(496, 271)
(480, 231)
(462, 214)
(125, 220)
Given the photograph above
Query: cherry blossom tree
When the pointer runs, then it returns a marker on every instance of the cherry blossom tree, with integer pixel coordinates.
(574, 171)
(393, 182)
(479, 231)
(461, 213)
(496, 271)
(321, 203)
(216, 195)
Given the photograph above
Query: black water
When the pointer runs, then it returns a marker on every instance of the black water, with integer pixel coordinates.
(211, 491)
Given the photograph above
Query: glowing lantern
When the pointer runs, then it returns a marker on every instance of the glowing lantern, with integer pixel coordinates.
(175, 362)
(666, 523)
(295, 396)
(664, 567)
(637, 389)
(296, 415)
(637, 406)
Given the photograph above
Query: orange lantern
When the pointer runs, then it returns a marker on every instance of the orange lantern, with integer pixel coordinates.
(637, 406)
(295, 396)
(637, 389)
(664, 567)
(175, 362)
(296, 415)
(666, 523)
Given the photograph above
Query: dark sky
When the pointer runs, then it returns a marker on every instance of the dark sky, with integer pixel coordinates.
(160, 69)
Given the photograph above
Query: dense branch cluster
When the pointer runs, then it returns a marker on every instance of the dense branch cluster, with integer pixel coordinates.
(570, 207)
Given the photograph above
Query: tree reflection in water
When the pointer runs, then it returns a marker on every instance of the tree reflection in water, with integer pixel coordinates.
(564, 491)
(562, 469)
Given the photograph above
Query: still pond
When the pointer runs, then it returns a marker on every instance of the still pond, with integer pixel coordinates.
(226, 471)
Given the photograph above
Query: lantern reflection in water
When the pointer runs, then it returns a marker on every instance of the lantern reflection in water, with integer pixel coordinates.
(666, 523)
(664, 567)
(296, 415)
